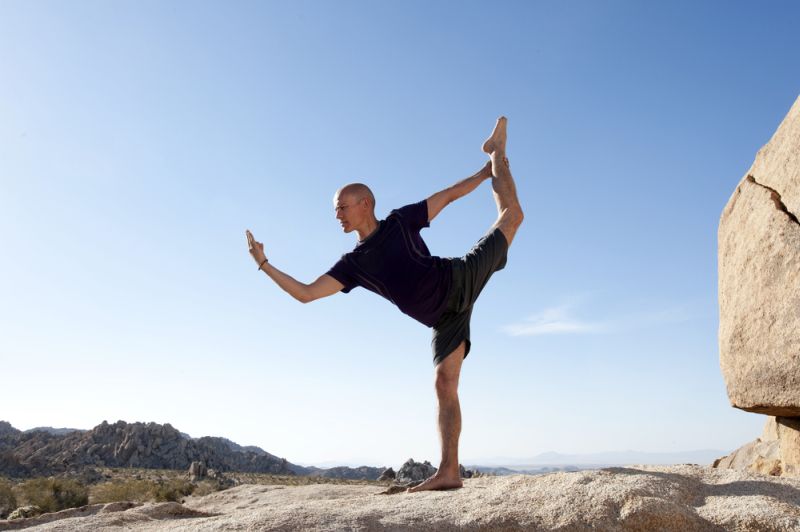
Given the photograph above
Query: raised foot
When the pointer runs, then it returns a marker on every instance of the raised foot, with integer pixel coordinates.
(497, 140)
(437, 482)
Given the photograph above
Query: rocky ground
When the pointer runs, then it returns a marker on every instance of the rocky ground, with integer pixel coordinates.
(665, 498)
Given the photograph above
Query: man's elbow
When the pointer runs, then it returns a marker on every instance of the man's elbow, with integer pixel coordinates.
(305, 298)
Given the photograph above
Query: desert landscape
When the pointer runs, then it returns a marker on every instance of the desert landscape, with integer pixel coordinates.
(152, 477)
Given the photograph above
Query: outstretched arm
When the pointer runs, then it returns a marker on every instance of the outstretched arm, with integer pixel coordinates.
(324, 286)
(443, 198)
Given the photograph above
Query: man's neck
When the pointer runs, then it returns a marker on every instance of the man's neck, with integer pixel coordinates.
(370, 226)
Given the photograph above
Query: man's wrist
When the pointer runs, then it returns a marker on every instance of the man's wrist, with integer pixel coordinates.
(263, 262)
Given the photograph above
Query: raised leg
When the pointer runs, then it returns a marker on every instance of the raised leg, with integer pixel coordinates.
(446, 382)
(509, 211)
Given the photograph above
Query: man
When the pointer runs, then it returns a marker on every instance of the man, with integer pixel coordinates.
(392, 260)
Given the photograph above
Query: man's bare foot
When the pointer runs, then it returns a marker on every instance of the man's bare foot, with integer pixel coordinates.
(437, 482)
(497, 141)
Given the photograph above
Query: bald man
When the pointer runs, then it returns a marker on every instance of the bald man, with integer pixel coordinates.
(391, 259)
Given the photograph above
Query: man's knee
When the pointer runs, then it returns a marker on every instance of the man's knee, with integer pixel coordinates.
(449, 370)
(514, 216)
(509, 221)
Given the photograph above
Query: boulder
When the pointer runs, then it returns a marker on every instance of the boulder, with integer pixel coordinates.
(775, 453)
(24, 512)
(412, 471)
(759, 279)
(197, 471)
(388, 474)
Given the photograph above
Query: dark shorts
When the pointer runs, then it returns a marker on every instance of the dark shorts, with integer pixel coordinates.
(470, 274)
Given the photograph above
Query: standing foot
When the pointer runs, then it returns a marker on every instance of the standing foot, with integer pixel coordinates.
(438, 482)
(497, 140)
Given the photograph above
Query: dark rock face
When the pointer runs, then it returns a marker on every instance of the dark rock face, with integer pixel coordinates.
(145, 445)
(7, 430)
(414, 471)
(465, 473)
(388, 474)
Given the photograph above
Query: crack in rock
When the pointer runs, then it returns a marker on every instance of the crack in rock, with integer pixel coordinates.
(776, 199)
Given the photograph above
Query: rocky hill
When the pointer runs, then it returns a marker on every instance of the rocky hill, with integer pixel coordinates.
(145, 445)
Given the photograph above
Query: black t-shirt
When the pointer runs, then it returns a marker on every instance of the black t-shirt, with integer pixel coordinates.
(394, 262)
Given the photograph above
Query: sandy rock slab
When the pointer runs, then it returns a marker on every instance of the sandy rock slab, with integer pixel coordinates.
(97, 516)
(665, 498)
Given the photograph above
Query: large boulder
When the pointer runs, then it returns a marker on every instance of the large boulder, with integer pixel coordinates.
(759, 279)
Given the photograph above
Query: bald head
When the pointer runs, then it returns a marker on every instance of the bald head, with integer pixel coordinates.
(355, 192)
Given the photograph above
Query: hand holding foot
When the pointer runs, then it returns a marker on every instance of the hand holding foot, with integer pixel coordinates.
(497, 141)
(486, 171)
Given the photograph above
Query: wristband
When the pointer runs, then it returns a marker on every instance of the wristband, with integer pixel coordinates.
(262, 264)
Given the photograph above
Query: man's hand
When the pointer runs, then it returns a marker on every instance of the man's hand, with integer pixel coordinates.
(323, 287)
(255, 248)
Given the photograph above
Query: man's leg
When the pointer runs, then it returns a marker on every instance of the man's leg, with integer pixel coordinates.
(509, 212)
(446, 382)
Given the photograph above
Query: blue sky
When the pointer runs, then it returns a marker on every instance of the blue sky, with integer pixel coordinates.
(138, 140)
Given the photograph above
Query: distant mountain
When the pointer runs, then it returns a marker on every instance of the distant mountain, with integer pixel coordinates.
(703, 456)
(537, 471)
(54, 431)
(249, 448)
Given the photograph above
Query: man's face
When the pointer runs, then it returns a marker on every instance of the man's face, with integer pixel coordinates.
(350, 211)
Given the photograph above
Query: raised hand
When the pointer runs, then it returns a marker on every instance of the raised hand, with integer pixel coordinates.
(255, 248)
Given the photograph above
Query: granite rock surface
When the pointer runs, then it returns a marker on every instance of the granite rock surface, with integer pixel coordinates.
(665, 498)
(759, 279)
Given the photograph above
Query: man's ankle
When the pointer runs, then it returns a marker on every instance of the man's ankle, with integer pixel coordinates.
(448, 470)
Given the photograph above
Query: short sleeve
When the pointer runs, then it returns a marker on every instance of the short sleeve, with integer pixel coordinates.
(414, 216)
(342, 272)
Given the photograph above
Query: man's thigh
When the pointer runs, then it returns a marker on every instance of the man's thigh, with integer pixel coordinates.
(479, 264)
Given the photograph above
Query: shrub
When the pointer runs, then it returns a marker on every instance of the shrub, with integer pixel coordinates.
(123, 490)
(54, 494)
(173, 490)
(8, 502)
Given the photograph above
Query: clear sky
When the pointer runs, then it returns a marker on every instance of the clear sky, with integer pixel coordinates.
(138, 140)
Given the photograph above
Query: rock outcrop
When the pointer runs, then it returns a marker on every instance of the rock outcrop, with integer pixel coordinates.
(197, 471)
(759, 279)
(412, 471)
(121, 444)
(759, 301)
(642, 498)
(388, 474)
(776, 452)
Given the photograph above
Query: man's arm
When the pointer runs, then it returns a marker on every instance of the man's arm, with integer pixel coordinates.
(324, 286)
(443, 198)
